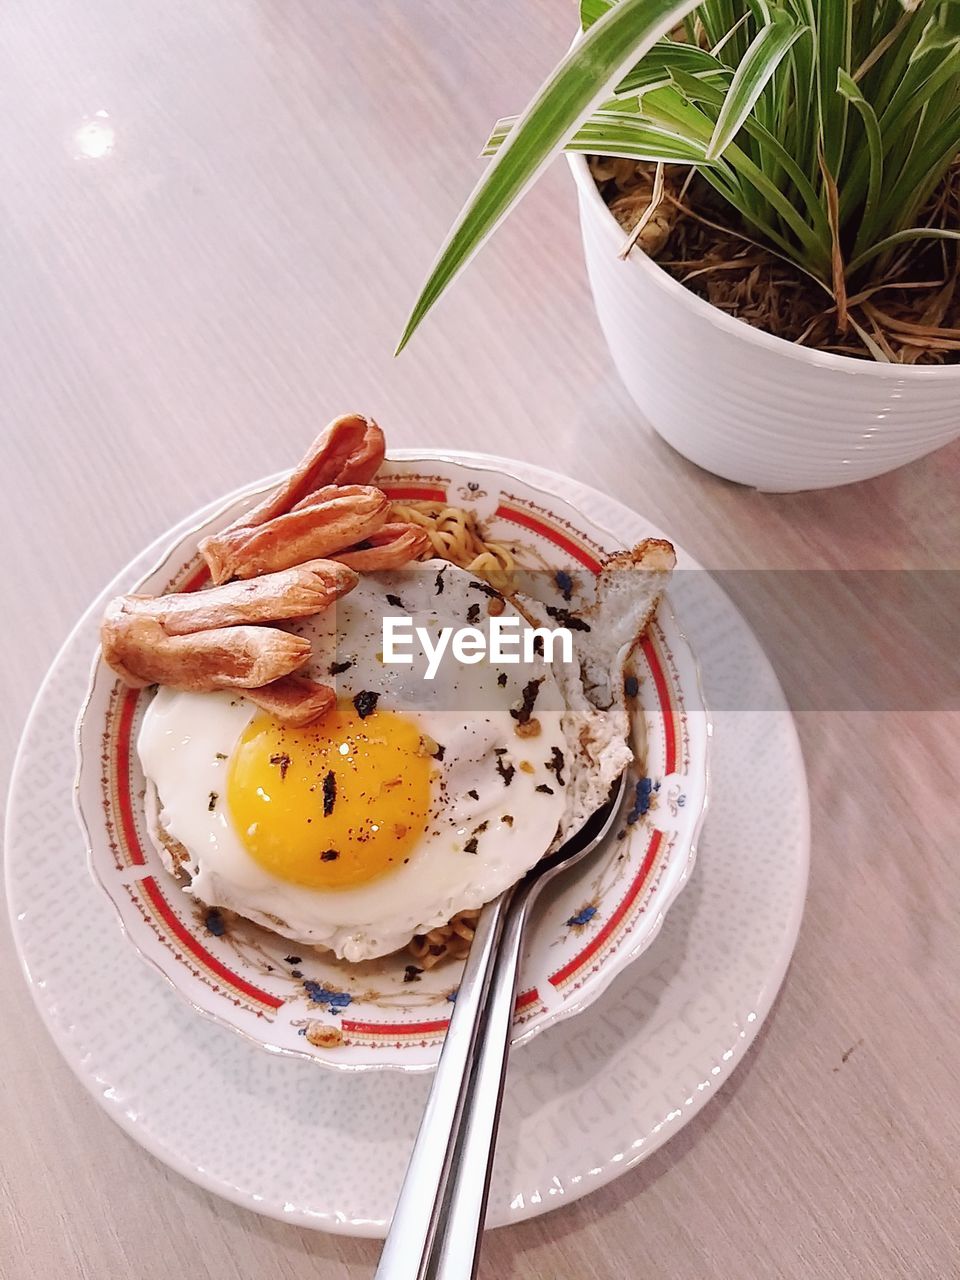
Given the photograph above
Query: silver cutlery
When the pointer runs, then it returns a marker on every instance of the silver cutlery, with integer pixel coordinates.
(438, 1222)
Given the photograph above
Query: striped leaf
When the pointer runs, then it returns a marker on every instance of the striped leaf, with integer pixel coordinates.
(609, 134)
(581, 81)
(767, 50)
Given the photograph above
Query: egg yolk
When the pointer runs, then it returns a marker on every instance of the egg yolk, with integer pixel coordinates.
(334, 804)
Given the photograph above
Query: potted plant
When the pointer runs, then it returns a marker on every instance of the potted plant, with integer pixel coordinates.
(803, 154)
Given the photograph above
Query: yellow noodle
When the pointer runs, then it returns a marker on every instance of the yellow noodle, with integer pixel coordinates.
(454, 536)
(452, 940)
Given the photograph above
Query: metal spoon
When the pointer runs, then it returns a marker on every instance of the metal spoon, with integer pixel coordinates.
(438, 1222)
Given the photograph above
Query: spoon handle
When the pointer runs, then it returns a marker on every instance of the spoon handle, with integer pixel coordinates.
(454, 1251)
(415, 1217)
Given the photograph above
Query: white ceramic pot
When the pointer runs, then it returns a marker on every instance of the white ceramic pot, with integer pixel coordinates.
(746, 405)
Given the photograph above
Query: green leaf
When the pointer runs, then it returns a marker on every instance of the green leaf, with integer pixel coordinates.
(900, 237)
(667, 56)
(851, 91)
(609, 134)
(584, 77)
(718, 16)
(591, 10)
(747, 188)
(767, 50)
(832, 26)
(925, 165)
(771, 147)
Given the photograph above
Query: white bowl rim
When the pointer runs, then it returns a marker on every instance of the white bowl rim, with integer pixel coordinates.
(737, 328)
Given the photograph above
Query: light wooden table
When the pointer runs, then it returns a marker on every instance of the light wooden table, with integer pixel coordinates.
(179, 313)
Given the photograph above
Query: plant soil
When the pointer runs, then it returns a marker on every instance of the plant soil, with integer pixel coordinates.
(910, 313)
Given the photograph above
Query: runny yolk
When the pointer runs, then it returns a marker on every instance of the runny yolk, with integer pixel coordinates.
(334, 804)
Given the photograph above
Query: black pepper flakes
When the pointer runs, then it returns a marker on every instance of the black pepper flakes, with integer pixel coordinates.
(329, 855)
(296, 973)
(473, 614)
(411, 973)
(282, 760)
(221, 755)
(473, 794)
(212, 802)
(292, 959)
(439, 582)
(395, 602)
(329, 792)
(547, 791)
(555, 764)
(502, 679)
(338, 668)
(366, 703)
(507, 819)
(471, 845)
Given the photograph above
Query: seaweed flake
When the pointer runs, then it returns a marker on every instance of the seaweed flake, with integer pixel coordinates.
(366, 703)
(566, 618)
(329, 792)
(530, 690)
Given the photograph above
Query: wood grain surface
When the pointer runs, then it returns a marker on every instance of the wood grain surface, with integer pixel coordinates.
(179, 314)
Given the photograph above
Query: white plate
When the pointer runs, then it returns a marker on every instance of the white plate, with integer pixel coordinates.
(584, 1102)
(593, 922)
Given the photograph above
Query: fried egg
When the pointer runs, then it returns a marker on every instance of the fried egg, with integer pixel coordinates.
(413, 799)
(410, 801)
